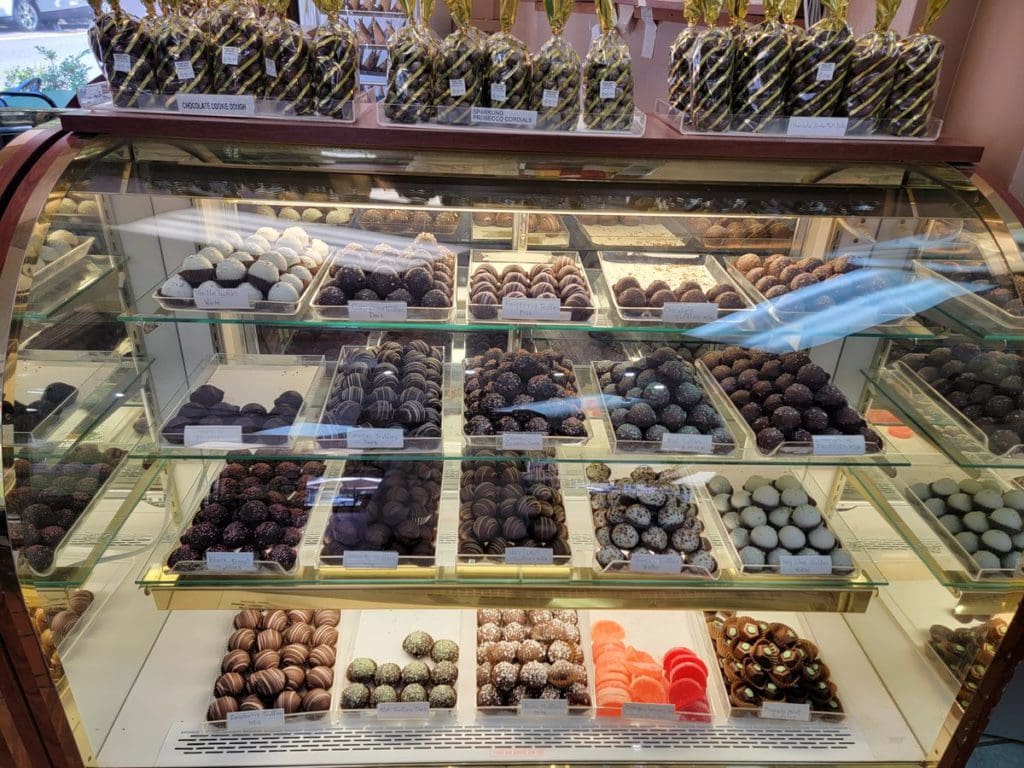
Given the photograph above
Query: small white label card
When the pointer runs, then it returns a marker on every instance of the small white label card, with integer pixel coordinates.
(805, 565)
(230, 561)
(215, 297)
(543, 707)
(689, 312)
(498, 92)
(183, 70)
(7, 434)
(638, 710)
(367, 558)
(607, 89)
(122, 62)
(649, 562)
(197, 436)
(549, 98)
(403, 710)
(522, 441)
(372, 311)
(514, 117)
(229, 55)
(520, 308)
(818, 127)
(457, 86)
(216, 104)
(677, 443)
(838, 445)
(782, 710)
(258, 718)
(370, 437)
(650, 32)
(93, 94)
(529, 556)
(270, 67)
(826, 71)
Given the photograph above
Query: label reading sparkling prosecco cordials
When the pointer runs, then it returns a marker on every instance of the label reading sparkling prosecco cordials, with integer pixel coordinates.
(359, 558)
(607, 89)
(518, 117)
(215, 297)
(818, 127)
(519, 308)
(403, 710)
(270, 67)
(529, 556)
(369, 437)
(826, 71)
(258, 718)
(689, 312)
(805, 565)
(183, 70)
(122, 62)
(457, 86)
(637, 710)
(677, 443)
(212, 436)
(549, 98)
(781, 710)
(230, 561)
(229, 55)
(498, 92)
(372, 311)
(543, 707)
(216, 104)
(522, 441)
(838, 445)
(648, 562)
(93, 94)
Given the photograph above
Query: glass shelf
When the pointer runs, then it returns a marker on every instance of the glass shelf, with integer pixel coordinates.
(60, 292)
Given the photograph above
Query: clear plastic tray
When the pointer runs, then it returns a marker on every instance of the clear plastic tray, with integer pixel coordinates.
(716, 396)
(479, 313)
(844, 128)
(500, 121)
(42, 273)
(969, 305)
(842, 534)
(37, 370)
(513, 443)
(490, 233)
(378, 635)
(673, 269)
(743, 244)
(717, 690)
(248, 106)
(359, 215)
(335, 437)
(249, 378)
(645, 232)
(789, 447)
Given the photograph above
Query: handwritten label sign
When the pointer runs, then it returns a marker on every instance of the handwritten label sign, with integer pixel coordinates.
(522, 441)
(673, 442)
(368, 437)
(529, 556)
(649, 562)
(519, 308)
(211, 436)
(359, 558)
(215, 297)
(543, 707)
(805, 565)
(818, 127)
(216, 104)
(403, 710)
(373, 311)
(689, 312)
(258, 718)
(230, 561)
(515, 117)
(838, 445)
(637, 710)
(781, 710)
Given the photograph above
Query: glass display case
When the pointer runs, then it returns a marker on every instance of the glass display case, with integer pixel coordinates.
(317, 455)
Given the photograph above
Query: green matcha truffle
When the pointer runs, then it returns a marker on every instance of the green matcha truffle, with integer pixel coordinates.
(445, 650)
(355, 696)
(388, 673)
(442, 697)
(418, 644)
(416, 672)
(361, 670)
(414, 692)
(383, 694)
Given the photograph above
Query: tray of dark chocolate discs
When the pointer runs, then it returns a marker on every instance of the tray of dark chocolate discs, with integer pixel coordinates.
(243, 401)
(663, 403)
(775, 526)
(385, 398)
(647, 523)
(380, 517)
(529, 288)
(681, 289)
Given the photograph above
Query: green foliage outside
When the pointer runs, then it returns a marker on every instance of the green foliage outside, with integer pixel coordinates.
(64, 75)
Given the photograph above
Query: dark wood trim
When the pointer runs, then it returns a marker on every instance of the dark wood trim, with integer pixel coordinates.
(1000, 672)
(660, 141)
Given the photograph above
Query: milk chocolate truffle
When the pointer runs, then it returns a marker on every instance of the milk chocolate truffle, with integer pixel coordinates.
(632, 298)
(563, 279)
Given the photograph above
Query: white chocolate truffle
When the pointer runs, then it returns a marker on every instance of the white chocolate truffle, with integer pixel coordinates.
(213, 255)
(276, 259)
(312, 214)
(175, 287)
(291, 257)
(293, 281)
(252, 293)
(268, 233)
(298, 233)
(319, 246)
(230, 271)
(244, 257)
(264, 271)
(289, 214)
(88, 208)
(339, 216)
(302, 274)
(289, 242)
(255, 245)
(62, 236)
(266, 211)
(67, 206)
(283, 292)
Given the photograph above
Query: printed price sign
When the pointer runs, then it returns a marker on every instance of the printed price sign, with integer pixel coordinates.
(529, 556)
(358, 558)
(270, 67)
(607, 89)
(183, 70)
(514, 117)
(374, 311)
(689, 312)
(229, 55)
(259, 718)
(818, 127)
(212, 436)
(403, 710)
(368, 437)
(216, 104)
(677, 443)
(648, 562)
(518, 308)
(457, 86)
(549, 98)
(215, 297)
(642, 711)
(498, 92)
(543, 707)
(838, 445)
(230, 561)
(781, 710)
(522, 441)
(122, 62)
(826, 71)
(805, 565)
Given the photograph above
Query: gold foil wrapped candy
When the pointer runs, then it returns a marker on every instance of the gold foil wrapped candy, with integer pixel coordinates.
(508, 78)
(410, 87)
(556, 73)
(917, 78)
(335, 55)
(713, 57)
(821, 60)
(460, 71)
(680, 59)
(872, 69)
(608, 76)
(287, 63)
(236, 43)
(131, 56)
(759, 82)
(180, 54)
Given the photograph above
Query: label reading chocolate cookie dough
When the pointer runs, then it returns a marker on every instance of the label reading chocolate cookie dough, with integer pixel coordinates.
(197, 436)
(215, 297)
(360, 558)
(518, 308)
(549, 98)
(781, 710)
(371, 311)
(456, 87)
(403, 710)
(230, 561)
(638, 710)
(122, 62)
(183, 70)
(216, 104)
(805, 565)
(648, 562)
(369, 437)
(818, 127)
(498, 93)
(522, 441)
(607, 90)
(258, 718)
(543, 707)
(529, 556)
(826, 71)
(838, 445)
(673, 442)
(689, 312)
(229, 55)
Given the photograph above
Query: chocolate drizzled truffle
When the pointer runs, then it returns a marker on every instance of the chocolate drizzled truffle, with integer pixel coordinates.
(562, 279)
